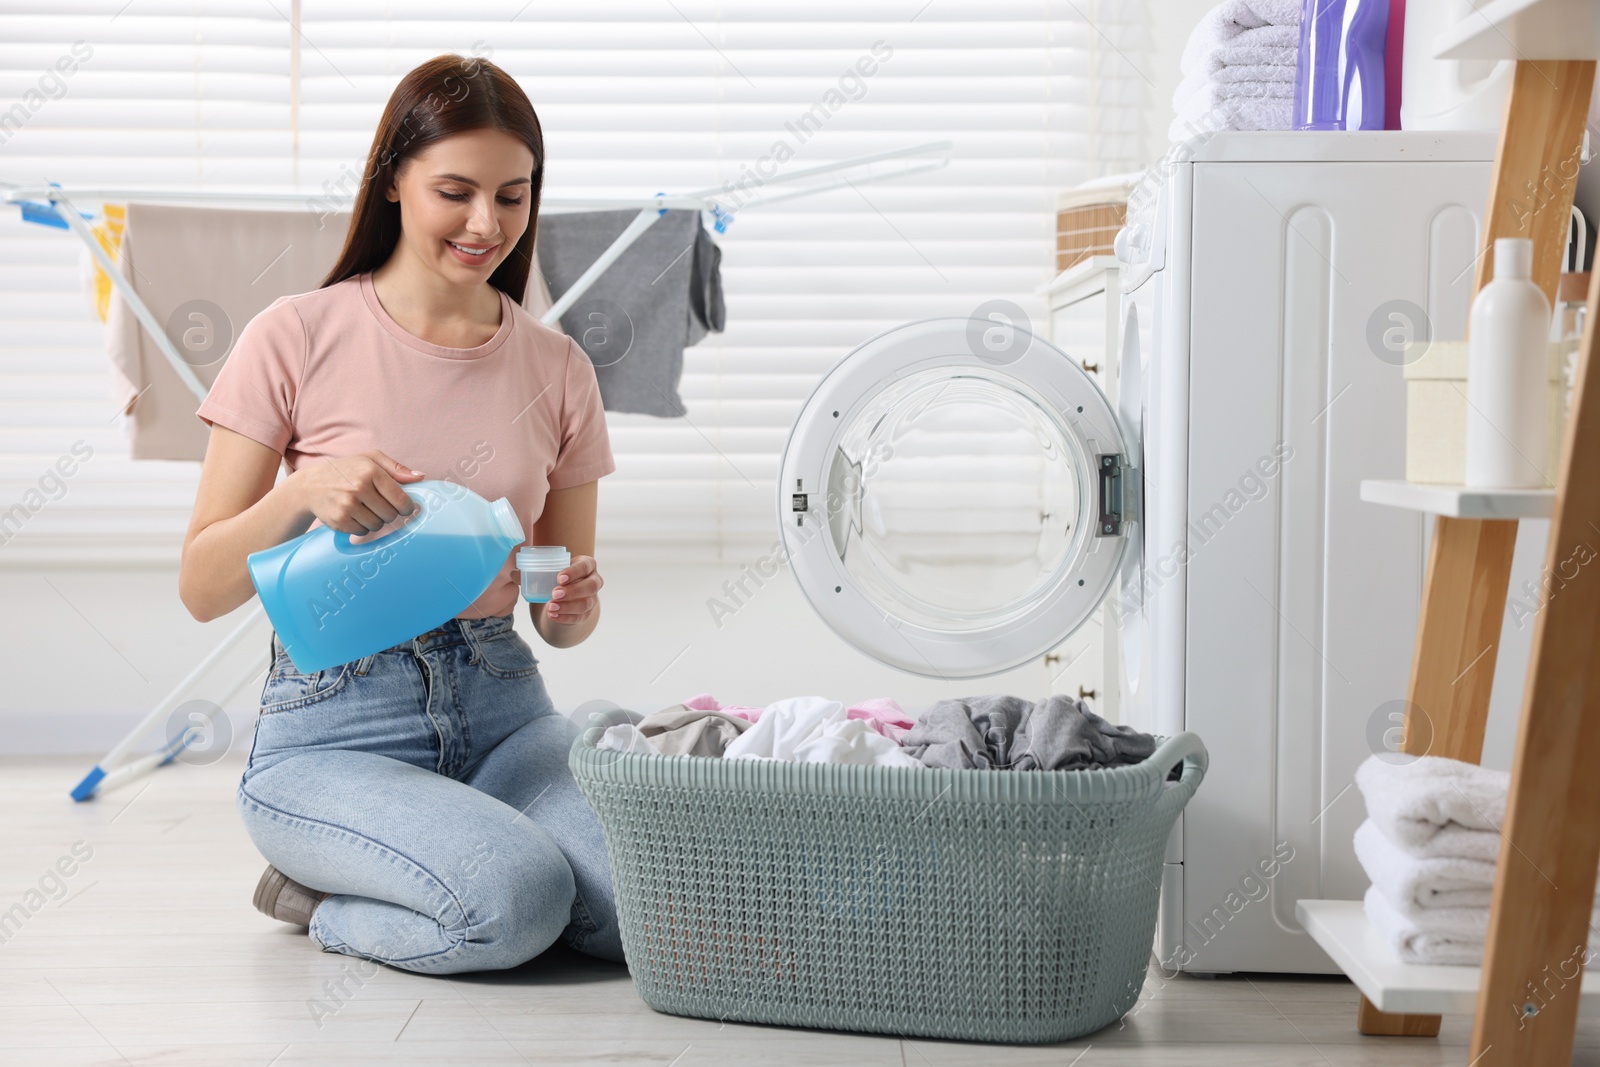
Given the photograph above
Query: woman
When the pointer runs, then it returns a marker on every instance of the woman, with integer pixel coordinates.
(415, 805)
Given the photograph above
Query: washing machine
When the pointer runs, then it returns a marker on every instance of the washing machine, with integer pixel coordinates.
(957, 496)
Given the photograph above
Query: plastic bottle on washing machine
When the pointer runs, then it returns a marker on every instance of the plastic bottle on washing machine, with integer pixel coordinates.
(1339, 76)
(332, 601)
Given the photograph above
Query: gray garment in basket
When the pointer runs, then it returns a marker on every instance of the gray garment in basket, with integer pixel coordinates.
(686, 731)
(662, 295)
(999, 732)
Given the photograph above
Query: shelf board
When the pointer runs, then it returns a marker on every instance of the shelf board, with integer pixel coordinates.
(1341, 928)
(1524, 29)
(1084, 269)
(1460, 502)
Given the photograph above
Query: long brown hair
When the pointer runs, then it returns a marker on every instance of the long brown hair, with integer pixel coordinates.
(448, 94)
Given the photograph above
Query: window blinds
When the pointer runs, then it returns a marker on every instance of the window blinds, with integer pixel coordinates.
(634, 98)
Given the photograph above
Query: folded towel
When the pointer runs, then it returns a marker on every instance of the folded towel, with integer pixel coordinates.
(1238, 70)
(1413, 883)
(1454, 842)
(1267, 46)
(1232, 19)
(1212, 110)
(1276, 46)
(1414, 803)
(1255, 74)
(1442, 892)
(1196, 93)
(1417, 944)
(1422, 940)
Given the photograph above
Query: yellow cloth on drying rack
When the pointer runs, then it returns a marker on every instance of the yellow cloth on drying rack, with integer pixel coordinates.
(108, 231)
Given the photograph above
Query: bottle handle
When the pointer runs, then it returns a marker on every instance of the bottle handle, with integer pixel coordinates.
(341, 540)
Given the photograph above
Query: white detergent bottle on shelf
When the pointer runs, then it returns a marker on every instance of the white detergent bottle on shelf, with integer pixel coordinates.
(1507, 387)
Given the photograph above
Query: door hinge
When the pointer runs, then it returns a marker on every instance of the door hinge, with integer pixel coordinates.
(1120, 487)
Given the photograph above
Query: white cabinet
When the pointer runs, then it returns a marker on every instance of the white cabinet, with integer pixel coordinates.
(1084, 321)
(1084, 318)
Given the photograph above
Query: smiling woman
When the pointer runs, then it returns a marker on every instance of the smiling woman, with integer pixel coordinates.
(415, 804)
(442, 98)
(465, 201)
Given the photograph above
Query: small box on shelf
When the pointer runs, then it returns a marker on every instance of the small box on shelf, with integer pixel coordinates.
(1436, 412)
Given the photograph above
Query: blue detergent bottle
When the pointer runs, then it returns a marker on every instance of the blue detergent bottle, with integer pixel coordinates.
(332, 601)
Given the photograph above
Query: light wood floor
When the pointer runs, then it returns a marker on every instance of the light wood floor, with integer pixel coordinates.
(153, 955)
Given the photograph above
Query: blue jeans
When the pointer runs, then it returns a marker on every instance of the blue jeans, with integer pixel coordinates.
(426, 787)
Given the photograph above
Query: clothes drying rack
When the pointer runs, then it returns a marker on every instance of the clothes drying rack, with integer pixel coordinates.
(53, 205)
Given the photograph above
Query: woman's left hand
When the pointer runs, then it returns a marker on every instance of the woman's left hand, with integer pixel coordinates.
(577, 591)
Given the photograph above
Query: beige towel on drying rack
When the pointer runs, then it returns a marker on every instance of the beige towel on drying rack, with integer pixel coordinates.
(203, 272)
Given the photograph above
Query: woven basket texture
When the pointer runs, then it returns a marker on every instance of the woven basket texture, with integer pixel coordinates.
(978, 905)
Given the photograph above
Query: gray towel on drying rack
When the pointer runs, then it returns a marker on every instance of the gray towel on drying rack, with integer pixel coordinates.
(661, 296)
(1009, 733)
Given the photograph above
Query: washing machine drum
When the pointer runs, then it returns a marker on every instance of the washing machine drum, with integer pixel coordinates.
(956, 497)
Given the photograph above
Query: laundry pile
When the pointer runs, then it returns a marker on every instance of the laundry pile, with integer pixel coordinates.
(1239, 69)
(801, 729)
(1430, 844)
(1001, 732)
(884, 715)
(984, 733)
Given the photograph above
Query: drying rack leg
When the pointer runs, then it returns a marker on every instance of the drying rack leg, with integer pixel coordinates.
(114, 768)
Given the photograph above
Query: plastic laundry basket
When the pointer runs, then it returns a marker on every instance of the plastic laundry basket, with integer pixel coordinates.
(984, 905)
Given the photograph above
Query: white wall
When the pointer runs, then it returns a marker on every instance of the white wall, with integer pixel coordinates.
(1171, 22)
(89, 650)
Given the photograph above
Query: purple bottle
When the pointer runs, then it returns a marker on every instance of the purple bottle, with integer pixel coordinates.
(1339, 81)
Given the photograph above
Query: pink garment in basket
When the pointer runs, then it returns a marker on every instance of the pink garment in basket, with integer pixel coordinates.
(885, 715)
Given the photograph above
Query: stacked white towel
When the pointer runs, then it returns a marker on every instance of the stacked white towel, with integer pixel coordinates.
(1239, 69)
(1430, 844)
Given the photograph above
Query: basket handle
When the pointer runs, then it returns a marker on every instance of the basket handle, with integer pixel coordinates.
(1185, 748)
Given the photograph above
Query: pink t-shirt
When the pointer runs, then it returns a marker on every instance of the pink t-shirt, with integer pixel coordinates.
(328, 373)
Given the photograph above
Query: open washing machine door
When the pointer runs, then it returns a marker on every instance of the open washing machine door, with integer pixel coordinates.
(956, 497)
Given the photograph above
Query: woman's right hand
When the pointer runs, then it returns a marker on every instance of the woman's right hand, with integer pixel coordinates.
(356, 494)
